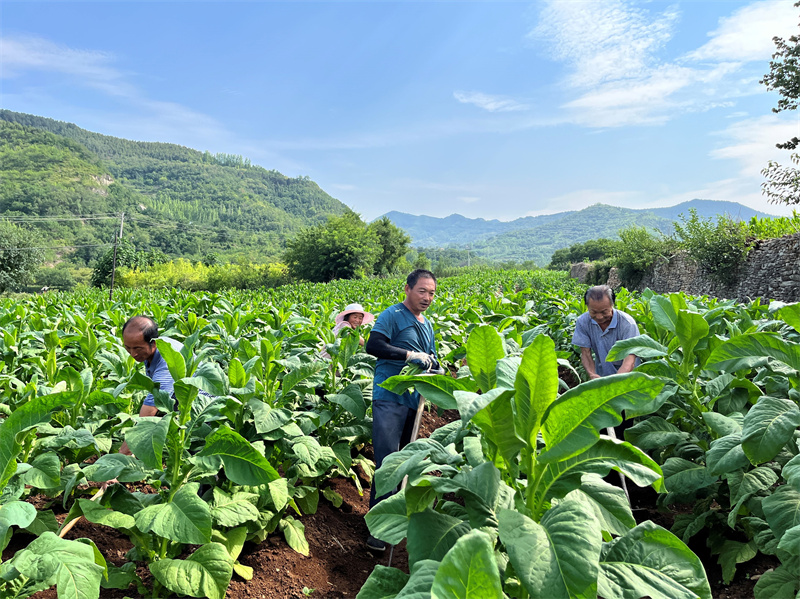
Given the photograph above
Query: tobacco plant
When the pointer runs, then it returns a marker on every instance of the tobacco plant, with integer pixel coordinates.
(538, 520)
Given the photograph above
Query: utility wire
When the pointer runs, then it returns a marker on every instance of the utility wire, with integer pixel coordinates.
(57, 247)
(37, 219)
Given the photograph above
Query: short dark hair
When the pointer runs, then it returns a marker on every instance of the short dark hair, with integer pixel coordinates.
(418, 274)
(598, 292)
(146, 325)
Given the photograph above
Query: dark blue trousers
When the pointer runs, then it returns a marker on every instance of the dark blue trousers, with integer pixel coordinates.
(392, 425)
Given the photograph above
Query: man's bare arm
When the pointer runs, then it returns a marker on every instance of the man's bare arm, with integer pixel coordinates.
(588, 363)
(628, 364)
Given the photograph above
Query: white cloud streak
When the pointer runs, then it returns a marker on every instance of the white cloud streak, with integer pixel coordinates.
(617, 76)
(489, 102)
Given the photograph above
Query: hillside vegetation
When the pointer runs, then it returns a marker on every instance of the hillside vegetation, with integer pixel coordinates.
(177, 200)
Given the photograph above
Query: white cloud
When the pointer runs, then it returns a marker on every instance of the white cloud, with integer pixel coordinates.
(469, 199)
(617, 75)
(489, 102)
(92, 68)
(751, 142)
(603, 41)
(747, 34)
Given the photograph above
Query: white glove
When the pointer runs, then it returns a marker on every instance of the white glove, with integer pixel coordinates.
(418, 358)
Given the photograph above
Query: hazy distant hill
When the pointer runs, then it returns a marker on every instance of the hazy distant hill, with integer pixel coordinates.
(537, 237)
(178, 200)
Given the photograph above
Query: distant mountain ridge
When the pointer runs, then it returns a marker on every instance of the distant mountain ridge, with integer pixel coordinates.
(537, 237)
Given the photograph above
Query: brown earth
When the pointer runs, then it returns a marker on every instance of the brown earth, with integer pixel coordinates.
(339, 562)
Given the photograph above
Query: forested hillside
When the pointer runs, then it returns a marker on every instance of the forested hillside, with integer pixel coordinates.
(177, 200)
(536, 238)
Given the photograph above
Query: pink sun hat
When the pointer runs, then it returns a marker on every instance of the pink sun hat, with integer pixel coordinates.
(352, 309)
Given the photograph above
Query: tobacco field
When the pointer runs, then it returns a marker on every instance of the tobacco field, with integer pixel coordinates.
(510, 499)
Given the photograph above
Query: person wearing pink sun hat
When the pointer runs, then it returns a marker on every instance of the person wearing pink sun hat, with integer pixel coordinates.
(352, 316)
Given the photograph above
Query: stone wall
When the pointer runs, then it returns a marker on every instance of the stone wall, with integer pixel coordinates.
(771, 272)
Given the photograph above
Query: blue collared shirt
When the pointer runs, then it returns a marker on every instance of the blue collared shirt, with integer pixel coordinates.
(158, 371)
(589, 334)
(403, 330)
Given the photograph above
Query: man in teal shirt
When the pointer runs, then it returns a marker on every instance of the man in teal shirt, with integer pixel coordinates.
(401, 335)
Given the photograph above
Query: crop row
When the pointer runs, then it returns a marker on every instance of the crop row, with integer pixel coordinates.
(527, 456)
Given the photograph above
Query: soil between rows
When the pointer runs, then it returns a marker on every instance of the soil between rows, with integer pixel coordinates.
(339, 562)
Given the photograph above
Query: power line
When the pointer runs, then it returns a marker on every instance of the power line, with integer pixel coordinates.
(58, 247)
(38, 219)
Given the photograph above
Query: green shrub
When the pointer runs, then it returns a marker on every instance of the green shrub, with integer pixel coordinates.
(721, 248)
(773, 228)
(598, 275)
(638, 252)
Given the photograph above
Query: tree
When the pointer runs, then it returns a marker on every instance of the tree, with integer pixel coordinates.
(343, 248)
(783, 182)
(19, 256)
(393, 243)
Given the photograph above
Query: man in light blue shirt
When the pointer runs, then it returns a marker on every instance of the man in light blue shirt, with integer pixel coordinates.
(598, 329)
(401, 335)
(139, 336)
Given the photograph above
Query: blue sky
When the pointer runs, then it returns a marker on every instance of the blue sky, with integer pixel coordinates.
(486, 109)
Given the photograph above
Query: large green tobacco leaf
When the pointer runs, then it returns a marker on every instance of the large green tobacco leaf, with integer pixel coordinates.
(14, 513)
(431, 535)
(470, 403)
(558, 557)
(726, 455)
(781, 583)
(243, 464)
(294, 532)
(351, 399)
(125, 468)
(484, 349)
(790, 314)
(438, 389)
(790, 541)
(175, 361)
(653, 433)
(609, 503)
(77, 567)
(782, 510)
(791, 472)
(421, 580)
(536, 386)
(690, 330)
(751, 350)
(186, 519)
(684, 478)
(146, 440)
(651, 561)
(267, 419)
(496, 423)
(388, 519)
(407, 461)
(233, 510)
(383, 583)
(101, 515)
(559, 478)
(44, 473)
(25, 417)
(751, 482)
(642, 346)
(469, 570)
(664, 313)
(573, 422)
(767, 427)
(733, 553)
(206, 573)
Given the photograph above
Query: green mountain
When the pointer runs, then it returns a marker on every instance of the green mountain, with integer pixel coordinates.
(177, 200)
(537, 237)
